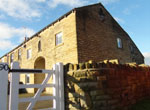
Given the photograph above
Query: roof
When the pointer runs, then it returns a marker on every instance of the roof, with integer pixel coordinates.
(60, 18)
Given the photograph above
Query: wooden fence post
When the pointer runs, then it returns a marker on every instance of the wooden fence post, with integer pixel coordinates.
(3, 85)
(14, 88)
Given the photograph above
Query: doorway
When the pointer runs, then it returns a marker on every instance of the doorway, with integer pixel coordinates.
(38, 78)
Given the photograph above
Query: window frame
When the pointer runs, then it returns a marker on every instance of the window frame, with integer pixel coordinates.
(119, 43)
(58, 38)
(29, 53)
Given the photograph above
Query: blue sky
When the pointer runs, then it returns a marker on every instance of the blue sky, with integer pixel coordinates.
(26, 17)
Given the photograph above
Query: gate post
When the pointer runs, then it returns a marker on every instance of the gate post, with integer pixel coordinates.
(3, 85)
(56, 88)
(14, 87)
(58, 91)
(61, 86)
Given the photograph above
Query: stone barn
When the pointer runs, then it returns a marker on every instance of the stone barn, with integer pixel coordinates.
(83, 34)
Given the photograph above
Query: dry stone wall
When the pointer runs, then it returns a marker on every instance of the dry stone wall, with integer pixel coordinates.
(100, 86)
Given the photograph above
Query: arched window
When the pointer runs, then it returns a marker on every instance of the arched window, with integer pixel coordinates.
(39, 46)
(102, 15)
(119, 43)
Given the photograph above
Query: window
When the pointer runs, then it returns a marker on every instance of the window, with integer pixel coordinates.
(11, 57)
(119, 43)
(2, 59)
(27, 80)
(19, 54)
(29, 53)
(131, 49)
(59, 38)
(39, 46)
(101, 14)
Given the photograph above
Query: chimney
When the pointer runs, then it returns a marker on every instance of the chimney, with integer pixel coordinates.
(25, 39)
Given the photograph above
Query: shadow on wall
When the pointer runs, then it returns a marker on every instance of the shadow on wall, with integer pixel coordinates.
(105, 86)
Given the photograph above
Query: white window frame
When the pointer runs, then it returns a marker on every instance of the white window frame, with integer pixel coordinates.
(58, 38)
(119, 43)
(29, 53)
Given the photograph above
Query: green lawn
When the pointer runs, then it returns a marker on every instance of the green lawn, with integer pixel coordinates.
(142, 105)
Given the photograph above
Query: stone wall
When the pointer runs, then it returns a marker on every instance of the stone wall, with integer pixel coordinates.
(99, 86)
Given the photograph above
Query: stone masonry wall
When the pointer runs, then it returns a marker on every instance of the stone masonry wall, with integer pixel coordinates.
(97, 38)
(99, 86)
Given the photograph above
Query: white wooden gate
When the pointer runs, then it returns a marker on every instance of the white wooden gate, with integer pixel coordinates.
(58, 86)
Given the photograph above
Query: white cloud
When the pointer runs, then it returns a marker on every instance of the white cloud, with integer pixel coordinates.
(8, 32)
(40, 1)
(147, 57)
(119, 20)
(25, 32)
(5, 45)
(19, 9)
(108, 1)
(71, 3)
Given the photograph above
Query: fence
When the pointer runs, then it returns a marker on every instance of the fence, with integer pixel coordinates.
(58, 86)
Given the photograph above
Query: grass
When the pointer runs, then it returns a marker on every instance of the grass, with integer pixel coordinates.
(38, 105)
(142, 105)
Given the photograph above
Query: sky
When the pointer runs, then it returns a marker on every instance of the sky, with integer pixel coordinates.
(20, 18)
